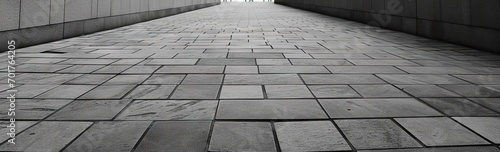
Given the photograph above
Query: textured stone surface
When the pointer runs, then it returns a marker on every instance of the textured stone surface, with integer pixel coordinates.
(310, 136)
(487, 127)
(242, 136)
(170, 110)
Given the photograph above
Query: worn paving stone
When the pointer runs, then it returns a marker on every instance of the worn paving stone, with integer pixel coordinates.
(170, 110)
(165, 79)
(491, 103)
(255, 55)
(310, 136)
(270, 109)
(173, 136)
(319, 62)
(288, 91)
(241, 70)
(33, 109)
(66, 92)
(427, 91)
(421, 79)
(191, 69)
(340, 79)
(126, 79)
(477, 91)
(172, 62)
(364, 69)
(89, 79)
(378, 91)
(81, 69)
(370, 108)
(333, 91)
(151, 92)
(242, 136)
(273, 62)
(487, 127)
(42, 68)
(111, 136)
(375, 134)
(440, 131)
(293, 69)
(90, 110)
(108, 92)
(141, 70)
(19, 127)
(241, 92)
(28, 91)
(44, 78)
(263, 79)
(35, 138)
(196, 92)
(481, 79)
(203, 79)
(112, 69)
(435, 70)
(441, 149)
(216, 61)
(458, 107)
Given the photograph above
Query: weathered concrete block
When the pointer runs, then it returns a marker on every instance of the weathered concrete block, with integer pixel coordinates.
(35, 13)
(378, 6)
(144, 5)
(31, 36)
(406, 8)
(135, 6)
(93, 25)
(486, 13)
(455, 11)
(429, 9)
(77, 10)
(10, 14)
(409, 25)
(95, 8)
(73, 29)
(104, 8)
(56, 11)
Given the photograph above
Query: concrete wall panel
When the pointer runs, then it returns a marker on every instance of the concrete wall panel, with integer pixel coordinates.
(10, 14)
(56, 11)
(34, 13)
(77, 10)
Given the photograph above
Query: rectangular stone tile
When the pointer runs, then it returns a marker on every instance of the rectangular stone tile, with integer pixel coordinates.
(273, 62)
(333, 91)
(339, 56)
(480, 79)
(293, 69)
(66, 92)
(458, 107)
(474, 90)
(28, 91)
(208, 61)
(241, 70)
(141, 70)
(287, 91)
(270, 109)
(45, 68)
(420, 79)
(310, 136)
(174, 136)
(379, 91)
(242, 136)
(112, 69)
(81, 69)
(442, 149)
(170, 110)
(90, 110)
(435, 70)
(32, 109)
(203, 79)
(319, 62)
(263, 79)
(127, 79)
(440, 131)
(112, 136)
(191, 69)
(340, 79)
(151, 92)
(196, 92)
(200, 55)
(165, 79)
(241, 92)
(44, 78)
(127, 61)
(487, 127)
(368, 108)
(381, 62)
(364, 69)
(491, 103)
(43, 61)
(427, 91)
(87, 79)
(19, 127)
(297, 56)
(375, 134)
(35, 138)
(172, 62)
(108, 92)
(255, 55)
(89, 61)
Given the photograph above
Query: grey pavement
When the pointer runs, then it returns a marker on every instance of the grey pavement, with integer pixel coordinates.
(254, 77)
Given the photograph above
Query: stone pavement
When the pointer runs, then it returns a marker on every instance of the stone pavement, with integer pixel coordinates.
(254, 77)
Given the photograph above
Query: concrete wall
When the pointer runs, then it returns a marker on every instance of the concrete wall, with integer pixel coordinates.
(473, 23)
(32, 22)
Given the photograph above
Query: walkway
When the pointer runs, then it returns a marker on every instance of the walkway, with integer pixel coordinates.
(254, 77)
